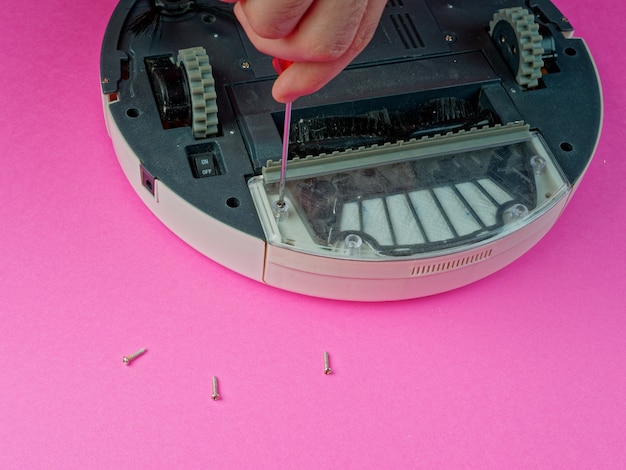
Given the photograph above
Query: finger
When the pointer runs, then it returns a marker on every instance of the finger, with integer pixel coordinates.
(324, 33)
(272, 19)
(329, 28)
(304, 78)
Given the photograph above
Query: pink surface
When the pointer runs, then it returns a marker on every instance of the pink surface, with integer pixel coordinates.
(525, 369)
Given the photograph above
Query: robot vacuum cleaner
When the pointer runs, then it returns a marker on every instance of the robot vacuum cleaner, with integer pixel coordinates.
(444, 152)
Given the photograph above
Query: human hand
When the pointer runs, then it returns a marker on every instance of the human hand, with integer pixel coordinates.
(321, 37)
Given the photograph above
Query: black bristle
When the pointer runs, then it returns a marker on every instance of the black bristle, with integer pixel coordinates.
(327, 134)
(149, 22)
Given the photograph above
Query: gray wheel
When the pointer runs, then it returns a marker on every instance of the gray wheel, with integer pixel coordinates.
(516, 34)
(201, 84)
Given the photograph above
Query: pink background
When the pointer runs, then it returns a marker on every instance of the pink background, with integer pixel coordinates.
(525, 369)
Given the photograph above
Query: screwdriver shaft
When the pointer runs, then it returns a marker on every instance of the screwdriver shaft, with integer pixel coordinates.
(283, 162)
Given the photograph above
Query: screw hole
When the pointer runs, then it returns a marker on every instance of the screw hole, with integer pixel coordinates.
(132, 112)
(232, 202)
(450, 38)
(208, 18)
(566, 147)
(570, 51)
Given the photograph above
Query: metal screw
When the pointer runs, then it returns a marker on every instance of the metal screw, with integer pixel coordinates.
(105, 80)
(327, 369)
(128, 359)
(245, 65)
(215, 395)
(450, 38)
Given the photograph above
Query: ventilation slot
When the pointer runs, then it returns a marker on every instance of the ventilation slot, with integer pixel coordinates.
(395, 3)
(455, 264)
(405, 26)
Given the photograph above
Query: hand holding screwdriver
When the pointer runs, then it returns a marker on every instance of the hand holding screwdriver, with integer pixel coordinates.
(321, 37)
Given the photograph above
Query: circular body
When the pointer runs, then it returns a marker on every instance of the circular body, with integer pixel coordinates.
(426, 165)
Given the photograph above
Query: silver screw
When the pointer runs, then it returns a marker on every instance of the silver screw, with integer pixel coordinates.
(215, 395)
(128, 359)
(327, 369)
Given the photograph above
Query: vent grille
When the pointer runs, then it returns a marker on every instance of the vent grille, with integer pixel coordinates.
(454, 264)
(406, 29)
(395, 3)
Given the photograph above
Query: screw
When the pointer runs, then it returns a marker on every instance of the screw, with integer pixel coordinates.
(105, 80)
(450, 38)
(245, 65)
(215, 395)
(327, 369)
(128, 359)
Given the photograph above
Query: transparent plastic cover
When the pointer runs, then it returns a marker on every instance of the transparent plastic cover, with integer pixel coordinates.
(411, 199)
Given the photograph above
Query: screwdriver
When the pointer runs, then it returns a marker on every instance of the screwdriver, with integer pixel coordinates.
(280, 65)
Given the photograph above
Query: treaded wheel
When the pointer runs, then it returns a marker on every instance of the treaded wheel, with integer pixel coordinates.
(516, 34)
(199, 74)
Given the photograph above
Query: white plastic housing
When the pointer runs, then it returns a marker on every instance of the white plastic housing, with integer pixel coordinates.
(340, 276)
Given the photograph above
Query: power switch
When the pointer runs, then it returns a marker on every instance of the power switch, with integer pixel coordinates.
(205, 166)
(205, 159)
